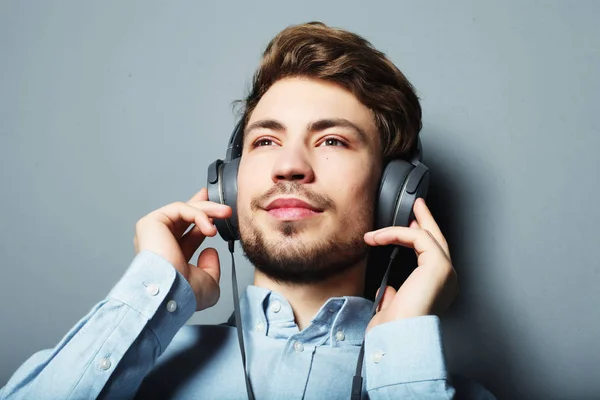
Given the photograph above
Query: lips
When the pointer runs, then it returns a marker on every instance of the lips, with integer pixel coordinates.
(291, 209)
(290, 203)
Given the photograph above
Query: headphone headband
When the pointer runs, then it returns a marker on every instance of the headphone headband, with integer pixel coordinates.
(236, 141)
(418, 156)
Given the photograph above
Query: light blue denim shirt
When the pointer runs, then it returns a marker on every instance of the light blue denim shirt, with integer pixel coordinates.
(135, 344)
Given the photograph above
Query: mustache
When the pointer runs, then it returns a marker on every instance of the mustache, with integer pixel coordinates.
(295, 189)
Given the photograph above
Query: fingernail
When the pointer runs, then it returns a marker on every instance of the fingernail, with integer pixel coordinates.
(373, 237)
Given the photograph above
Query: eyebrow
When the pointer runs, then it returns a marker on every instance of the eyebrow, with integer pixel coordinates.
(315, 126)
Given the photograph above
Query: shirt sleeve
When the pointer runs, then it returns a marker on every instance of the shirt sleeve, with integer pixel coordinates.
(405, 359)
(129, 329)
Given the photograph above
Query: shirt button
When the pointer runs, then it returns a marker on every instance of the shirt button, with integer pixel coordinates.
(377, 356)
(152, 289)
(104, 363)
(260, 326)
(298, 347)
(171, 306)
(339, 336)
(275, 306)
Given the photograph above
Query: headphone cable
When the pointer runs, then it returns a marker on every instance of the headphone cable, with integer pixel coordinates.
(356, 393)
(238, 320)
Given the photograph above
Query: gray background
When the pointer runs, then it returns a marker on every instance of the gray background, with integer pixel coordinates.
(109, 110)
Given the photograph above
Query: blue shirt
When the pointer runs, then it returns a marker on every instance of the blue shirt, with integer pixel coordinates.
(135, 344)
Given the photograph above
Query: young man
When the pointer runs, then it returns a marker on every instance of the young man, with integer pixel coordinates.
(325, 113)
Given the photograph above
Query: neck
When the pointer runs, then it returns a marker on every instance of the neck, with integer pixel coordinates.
(307, 299)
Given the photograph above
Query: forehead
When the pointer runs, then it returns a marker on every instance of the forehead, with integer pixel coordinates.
(298, 101)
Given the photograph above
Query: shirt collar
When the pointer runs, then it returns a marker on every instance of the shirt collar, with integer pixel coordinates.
(341, 321)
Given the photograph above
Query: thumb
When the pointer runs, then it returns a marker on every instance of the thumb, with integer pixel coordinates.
(208, 261)
(386, 300)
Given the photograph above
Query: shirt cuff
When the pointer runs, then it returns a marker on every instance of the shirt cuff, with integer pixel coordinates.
(155, 289)
(404, 351)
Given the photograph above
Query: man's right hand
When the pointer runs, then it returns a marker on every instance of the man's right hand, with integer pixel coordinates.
(162, 232)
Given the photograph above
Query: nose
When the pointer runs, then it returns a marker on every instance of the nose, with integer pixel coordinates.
(293, 164)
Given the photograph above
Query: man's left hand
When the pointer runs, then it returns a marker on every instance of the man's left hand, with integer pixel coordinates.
(433, 285)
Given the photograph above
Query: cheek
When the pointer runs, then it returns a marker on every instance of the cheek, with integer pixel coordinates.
(358, 174)
(355, 189)
(244, 187)
(251, 180)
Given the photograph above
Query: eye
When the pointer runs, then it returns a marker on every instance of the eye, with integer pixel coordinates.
(331, 141)
(263, 142)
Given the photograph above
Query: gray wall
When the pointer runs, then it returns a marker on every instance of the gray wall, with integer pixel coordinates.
(111, 109)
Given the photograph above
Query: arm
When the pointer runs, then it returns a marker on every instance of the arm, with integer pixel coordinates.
(405, 360)
(132, 327)
(404, 335)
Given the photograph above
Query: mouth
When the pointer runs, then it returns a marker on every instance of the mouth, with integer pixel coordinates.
(291, 209)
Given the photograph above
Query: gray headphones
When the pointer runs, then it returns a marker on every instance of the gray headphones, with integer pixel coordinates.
(402, 182)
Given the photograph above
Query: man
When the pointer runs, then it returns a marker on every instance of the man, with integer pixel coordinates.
(325, 113)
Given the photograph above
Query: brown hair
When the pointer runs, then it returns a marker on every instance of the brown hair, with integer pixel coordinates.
(314, 50)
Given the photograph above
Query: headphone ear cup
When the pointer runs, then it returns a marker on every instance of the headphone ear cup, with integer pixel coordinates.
(393, 180)
(417, 185)
(212, 181)
(222, 189)
(402, 183)
(230, 192)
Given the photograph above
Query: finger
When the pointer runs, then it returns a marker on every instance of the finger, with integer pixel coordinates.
(222, 211)
(204, 223)
(426, 221)
(198, 200)
(446, 254)
(208, 261)
(387, 298)
(179, 215)
(414, 225)
(417, 239)
(202, 195)
(211, 208)
(193, 238)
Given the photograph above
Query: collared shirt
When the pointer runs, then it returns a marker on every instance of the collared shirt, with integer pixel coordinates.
(135, 344)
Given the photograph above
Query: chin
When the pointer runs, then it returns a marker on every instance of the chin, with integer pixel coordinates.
(302, 256)
(296, 230)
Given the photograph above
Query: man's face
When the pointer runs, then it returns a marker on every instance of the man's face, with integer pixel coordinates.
(307, 181)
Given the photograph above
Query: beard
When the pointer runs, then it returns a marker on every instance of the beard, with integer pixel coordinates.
(289, 259)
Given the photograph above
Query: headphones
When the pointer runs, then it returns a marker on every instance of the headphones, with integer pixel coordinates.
(402, 183)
